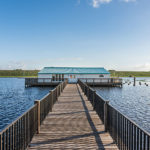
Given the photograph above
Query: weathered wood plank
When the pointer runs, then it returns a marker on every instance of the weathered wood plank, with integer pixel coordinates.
(72, 125)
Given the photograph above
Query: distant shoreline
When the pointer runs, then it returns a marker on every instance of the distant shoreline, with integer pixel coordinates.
(129, 73)
(18, 76)
(33, 73)
(37, 76)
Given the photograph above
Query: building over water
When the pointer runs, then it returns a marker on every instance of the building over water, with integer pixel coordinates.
(72, 73)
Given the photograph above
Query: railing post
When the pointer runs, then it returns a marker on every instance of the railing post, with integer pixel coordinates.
(105, 115)
(56, 93)
(58, 89)
(28, 128)
(65, 83)
(52, 101)
(61, 87)
(38, 113)
(83, 88)
(88, 92)
(1, 141)
(94, 92)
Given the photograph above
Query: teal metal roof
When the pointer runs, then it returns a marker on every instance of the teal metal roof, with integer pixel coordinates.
(73, 70)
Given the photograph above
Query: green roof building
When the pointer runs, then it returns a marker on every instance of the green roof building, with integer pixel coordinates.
(73, 73)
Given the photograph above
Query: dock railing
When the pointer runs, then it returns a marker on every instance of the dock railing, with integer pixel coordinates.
(42, 81)
(102, 80)
(125, 133)
(18, 134)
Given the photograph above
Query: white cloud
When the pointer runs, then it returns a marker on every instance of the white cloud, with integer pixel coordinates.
(78, 2)
(143, 67)
(34, 64)
(13, 65)
(97, 3)
(25, 64)
(129, 1)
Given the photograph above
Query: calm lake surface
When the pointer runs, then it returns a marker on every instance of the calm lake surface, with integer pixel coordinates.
(15, 99)
(132, 101)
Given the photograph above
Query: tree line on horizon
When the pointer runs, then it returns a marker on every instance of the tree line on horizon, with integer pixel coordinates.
(34, 73)
(18, 73)
(115, 73)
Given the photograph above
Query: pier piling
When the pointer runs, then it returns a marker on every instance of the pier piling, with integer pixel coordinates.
(134, 81)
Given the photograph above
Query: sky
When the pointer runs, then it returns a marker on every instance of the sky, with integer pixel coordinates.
(114, 34)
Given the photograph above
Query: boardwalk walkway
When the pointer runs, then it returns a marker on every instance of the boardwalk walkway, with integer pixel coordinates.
(72, 125)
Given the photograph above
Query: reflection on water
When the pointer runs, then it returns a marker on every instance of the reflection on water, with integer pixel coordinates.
(133, 101)
(16, 99)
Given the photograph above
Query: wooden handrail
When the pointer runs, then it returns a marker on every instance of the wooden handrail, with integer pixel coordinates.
(20, 132)
(8, 126)
(117, 124)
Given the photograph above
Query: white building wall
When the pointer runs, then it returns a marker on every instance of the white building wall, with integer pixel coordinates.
(76, 76)
(44, 75)
(92, 76)
(44, 78)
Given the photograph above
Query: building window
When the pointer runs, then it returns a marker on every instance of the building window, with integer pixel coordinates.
(53, 77)
(57, 77)
(62, 77)
(101, 75)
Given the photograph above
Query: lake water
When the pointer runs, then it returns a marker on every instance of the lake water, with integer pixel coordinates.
(15, 99)
(133, 101)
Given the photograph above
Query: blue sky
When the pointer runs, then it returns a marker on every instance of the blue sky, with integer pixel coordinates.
(114, 34)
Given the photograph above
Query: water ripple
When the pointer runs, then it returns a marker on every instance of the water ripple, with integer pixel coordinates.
(15, 99)
(133, 101)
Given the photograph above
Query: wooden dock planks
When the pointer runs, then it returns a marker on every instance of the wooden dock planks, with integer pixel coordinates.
(72, 125)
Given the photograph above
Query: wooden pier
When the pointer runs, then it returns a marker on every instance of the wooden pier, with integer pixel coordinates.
(73, 116)
(72, 124)
(29, 82)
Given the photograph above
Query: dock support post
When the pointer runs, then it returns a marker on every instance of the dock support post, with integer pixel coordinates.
(38, 115)
(134, 81)
(105, 115)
